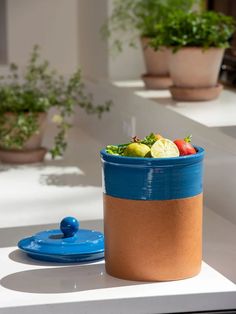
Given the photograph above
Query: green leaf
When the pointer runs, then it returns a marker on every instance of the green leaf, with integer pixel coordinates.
(149, 140)
(116, 149)
(194, 29)
(188, 138)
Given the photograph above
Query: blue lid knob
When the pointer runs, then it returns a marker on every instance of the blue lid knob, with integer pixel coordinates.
(69, 226)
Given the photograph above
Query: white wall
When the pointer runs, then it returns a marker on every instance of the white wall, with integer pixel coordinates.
(96, 59)
(53, 24)
(93, 50)
(129, 64)
(68, 32)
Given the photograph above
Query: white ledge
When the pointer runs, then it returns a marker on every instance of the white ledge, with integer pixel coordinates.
(220, 112)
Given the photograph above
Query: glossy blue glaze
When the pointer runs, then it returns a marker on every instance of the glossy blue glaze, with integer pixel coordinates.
(56, 245)
(67, 258)
(69, 226)
(138, 178)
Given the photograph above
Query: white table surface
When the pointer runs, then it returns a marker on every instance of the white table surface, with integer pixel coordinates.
(41, 194)
(27, 283)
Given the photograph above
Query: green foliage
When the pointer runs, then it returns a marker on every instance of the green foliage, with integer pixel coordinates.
(182, 29)
(39, 90)
(148, 140)
(16, 129)
(116, 149)
(133, 18)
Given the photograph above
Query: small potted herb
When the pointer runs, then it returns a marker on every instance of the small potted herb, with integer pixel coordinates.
(197, 42)
(133, 19)
(25, 102)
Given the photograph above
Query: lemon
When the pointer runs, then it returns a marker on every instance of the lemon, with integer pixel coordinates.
(164, 148)
(136, 150)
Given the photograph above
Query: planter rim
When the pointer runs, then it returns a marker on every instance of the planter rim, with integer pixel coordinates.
(146, 161)
(194, 47)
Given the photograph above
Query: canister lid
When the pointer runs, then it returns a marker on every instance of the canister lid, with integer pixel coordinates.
(68, 244)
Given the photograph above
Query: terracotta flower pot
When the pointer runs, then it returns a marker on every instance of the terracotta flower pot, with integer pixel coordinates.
(153, 216)
(157, 76)
(32, 150)
(195, 71)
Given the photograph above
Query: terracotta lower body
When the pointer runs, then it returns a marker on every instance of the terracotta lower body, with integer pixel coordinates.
(153, 240)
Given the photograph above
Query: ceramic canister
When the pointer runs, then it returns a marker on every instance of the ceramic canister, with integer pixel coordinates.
(153, 216)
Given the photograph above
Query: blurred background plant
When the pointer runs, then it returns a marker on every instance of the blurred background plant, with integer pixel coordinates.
(23, 98)
(184, 29)
(131, 19)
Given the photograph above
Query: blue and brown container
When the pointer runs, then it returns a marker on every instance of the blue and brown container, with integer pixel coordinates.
(153, 216)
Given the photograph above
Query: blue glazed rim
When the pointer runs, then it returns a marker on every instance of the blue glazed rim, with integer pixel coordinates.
(147, 161)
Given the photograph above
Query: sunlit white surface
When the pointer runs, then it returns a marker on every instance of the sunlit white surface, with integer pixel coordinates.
(26, 284)
(39, 284)
(129, 83)
(219, 112)
(153, 93)
(215, 113)
(45, 193)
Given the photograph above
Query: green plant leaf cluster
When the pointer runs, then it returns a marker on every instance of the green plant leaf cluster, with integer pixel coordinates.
(131, 19)
(16, 129)
(116, 149)
(148, 140)
(192, 29)
(40, 89)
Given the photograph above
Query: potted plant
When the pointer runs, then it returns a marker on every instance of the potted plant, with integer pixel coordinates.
(197, 42)
(24, 103)
(134, 19)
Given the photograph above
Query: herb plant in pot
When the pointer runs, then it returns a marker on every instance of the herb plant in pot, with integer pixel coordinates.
(24, 103)
(134, 19)
(196, 44)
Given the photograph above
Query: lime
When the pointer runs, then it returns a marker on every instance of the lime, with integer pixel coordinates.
(164, 148)
(136, 150)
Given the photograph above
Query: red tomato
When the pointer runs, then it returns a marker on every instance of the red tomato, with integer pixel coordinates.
(185, 147)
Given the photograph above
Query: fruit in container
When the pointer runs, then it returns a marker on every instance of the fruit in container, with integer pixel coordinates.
(136, 150)
(184, 146)
(164, 148)
(153, 145)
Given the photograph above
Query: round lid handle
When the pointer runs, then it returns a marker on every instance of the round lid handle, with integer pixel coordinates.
(69, 226)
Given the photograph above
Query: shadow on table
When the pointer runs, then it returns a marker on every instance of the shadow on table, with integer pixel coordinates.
(63, 279)
(60, 173)
(69, 180)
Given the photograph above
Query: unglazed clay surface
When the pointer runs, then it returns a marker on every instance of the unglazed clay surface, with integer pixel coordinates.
(153, 240)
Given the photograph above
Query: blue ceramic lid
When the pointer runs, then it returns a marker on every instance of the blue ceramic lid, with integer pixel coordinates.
(69, 244)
